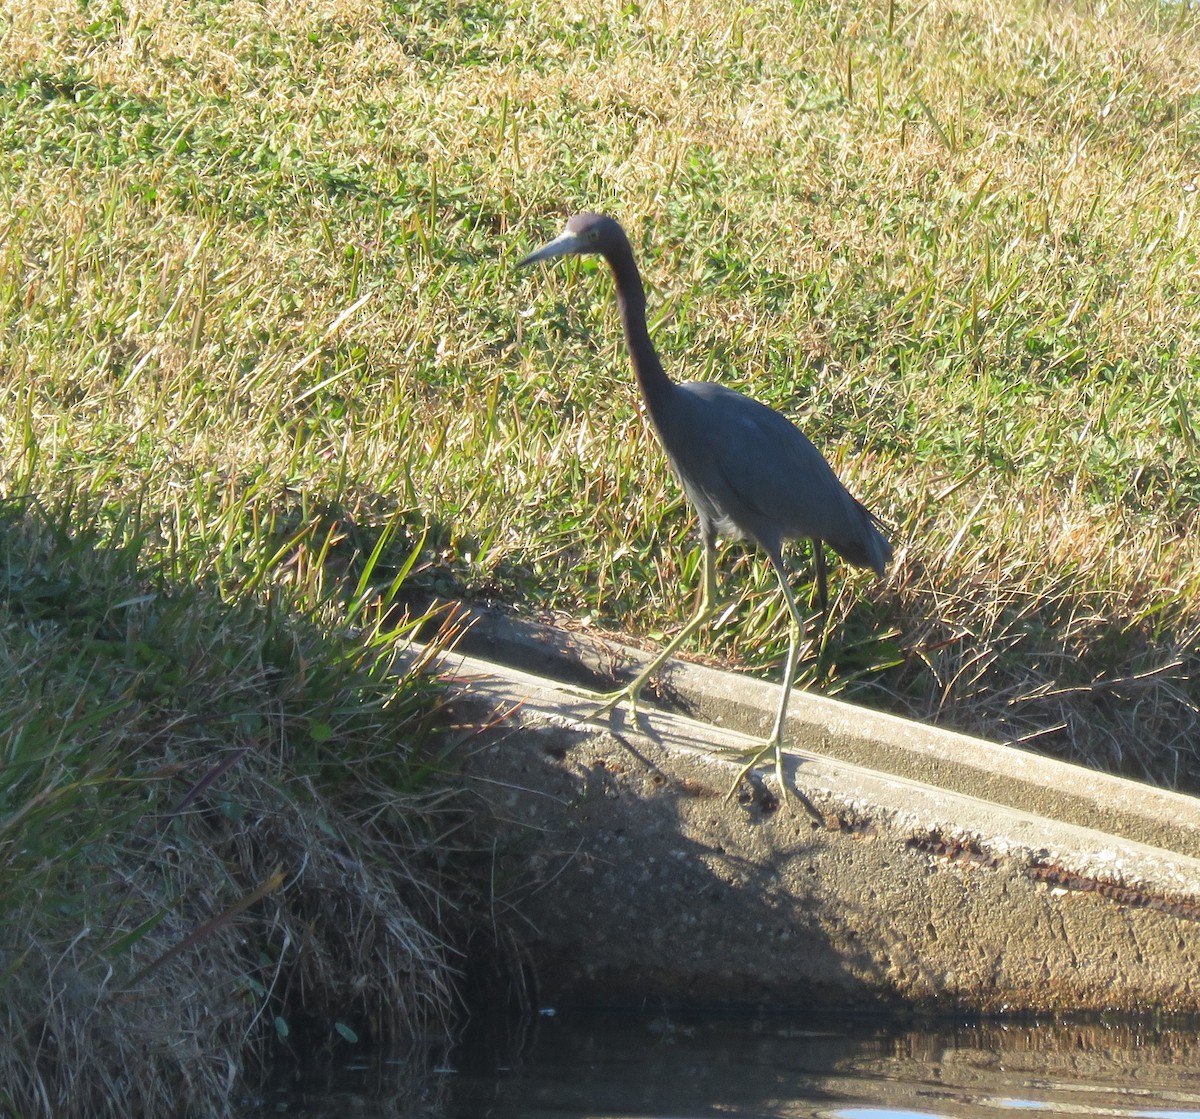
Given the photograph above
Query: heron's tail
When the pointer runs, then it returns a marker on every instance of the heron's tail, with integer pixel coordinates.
(870, 548)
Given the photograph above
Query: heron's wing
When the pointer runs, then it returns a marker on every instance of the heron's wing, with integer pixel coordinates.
(765, 476)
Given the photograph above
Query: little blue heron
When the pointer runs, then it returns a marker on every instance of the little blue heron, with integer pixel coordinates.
(747, 470)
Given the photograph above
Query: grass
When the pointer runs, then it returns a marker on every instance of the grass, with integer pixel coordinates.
(214, 825)
(257, 285)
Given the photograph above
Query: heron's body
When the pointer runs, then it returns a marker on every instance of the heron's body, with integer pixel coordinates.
(747, 470)
(756, 475)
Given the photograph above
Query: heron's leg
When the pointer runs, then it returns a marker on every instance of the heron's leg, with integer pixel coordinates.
(820, 636)
(706, 603)
(795, 631)
(789, 673)
(755, 755)
(822, 580)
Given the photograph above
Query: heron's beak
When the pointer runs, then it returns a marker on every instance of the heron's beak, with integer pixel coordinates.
(562, 245)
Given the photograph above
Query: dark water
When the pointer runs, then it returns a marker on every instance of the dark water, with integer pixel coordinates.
(673, 1066)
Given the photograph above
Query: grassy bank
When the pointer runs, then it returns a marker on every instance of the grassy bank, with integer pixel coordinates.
(257, 287)
(214, 825)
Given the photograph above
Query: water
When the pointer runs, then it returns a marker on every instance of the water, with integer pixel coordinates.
(683, 1066)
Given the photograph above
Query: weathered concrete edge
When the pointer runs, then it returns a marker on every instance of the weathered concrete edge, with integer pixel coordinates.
(643, 881)
(918, 807)
(879, 741)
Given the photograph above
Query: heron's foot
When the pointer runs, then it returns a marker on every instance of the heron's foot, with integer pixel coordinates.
(752, 759)
(610, 701)
(758, 792)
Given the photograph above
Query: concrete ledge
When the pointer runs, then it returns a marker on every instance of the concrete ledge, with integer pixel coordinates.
(945, 759)
(1055, 889)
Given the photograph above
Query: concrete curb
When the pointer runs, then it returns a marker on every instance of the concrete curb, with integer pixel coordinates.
(954, 873)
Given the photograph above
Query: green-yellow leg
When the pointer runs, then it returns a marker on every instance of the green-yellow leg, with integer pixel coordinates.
(775, 742)
(705, 605)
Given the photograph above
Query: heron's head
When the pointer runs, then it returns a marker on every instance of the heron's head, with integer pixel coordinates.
(584, 233)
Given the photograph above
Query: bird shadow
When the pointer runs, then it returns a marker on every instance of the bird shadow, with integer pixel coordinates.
(590, 850)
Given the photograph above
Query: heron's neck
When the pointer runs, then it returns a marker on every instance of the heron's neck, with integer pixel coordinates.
(631, 302)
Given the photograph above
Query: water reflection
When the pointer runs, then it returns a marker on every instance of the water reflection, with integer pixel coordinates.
(573, 1066)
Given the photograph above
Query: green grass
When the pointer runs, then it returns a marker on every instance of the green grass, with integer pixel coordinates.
(257, 284)
(248, 257)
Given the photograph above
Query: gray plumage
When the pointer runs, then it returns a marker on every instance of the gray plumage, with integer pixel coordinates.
(747, 470)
